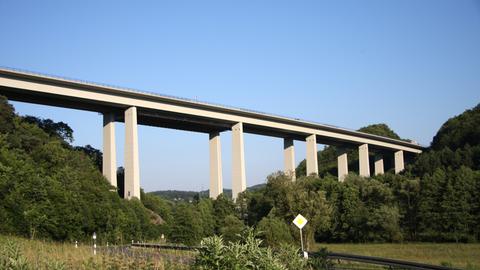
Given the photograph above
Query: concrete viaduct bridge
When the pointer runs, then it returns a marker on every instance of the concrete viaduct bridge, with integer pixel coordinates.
(134, 108)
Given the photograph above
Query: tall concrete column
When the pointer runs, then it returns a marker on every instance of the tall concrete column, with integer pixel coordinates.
(364, 162)
(109, 151)
(216, 181)
(239, 183)
(289, 158)
(132, 170)
(342, 160)
(379, 165)
(312, 163)
(399, 162)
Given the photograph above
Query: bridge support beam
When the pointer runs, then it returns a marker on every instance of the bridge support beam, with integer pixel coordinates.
(399, 162)
(312, 159)
(216, 181)
(109, 151)
(239, 183)
(379, 165)
(132, 170)
(342, 160)
(289, 158)
(364, 162)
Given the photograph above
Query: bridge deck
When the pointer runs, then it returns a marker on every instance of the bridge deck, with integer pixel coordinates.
(176, 113)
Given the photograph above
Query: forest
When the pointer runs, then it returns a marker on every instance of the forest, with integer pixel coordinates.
(50, 189)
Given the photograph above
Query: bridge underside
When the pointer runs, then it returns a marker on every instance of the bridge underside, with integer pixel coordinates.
(164, 119)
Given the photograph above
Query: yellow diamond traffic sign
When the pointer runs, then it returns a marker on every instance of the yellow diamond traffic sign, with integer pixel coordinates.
(300, 221)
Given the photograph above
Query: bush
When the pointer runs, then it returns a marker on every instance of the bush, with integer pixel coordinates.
(246, 253)
(274, 231)
(231, 229)
(11, 257)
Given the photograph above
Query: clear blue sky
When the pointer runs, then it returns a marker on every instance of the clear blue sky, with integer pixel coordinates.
(410, 64)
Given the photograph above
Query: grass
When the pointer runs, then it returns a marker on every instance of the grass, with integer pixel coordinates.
(466, 256)
(53, 255)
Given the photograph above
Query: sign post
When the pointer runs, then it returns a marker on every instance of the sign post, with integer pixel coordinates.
(300, 221)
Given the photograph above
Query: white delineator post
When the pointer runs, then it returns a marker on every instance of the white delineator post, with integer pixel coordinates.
(379, 165)
(216, 181)
(132, 169)
(94, 243)
(342, 161)
(239, 183)
(109, 150)
(399, 162)
(289, 158)
(364, 163)
(312, 162)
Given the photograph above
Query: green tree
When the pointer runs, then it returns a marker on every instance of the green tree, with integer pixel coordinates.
(7, 115)
(459, 131)
(59, 129)
(222, 207)
(206, 217)
(231, 228)
(274, 231)
(186, 228)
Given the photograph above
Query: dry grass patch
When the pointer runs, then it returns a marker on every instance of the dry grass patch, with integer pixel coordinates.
(53, 255)
(466, 256)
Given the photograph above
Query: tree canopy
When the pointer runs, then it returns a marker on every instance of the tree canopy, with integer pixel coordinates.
(459, 131)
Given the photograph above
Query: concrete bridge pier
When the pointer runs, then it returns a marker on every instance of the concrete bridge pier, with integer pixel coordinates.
(342, 160)
(364, 161)
(216, 181)
(239, 183)
(399, 161)
(312, 158)
(379, 165)
(132, 169)
(109, 168)
(289, 158)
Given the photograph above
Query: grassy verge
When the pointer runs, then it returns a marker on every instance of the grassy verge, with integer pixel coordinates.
(36, 254)
(466, 256)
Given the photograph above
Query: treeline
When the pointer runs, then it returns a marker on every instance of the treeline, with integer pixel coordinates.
(434, 199)
(50, 189)
(190, 196)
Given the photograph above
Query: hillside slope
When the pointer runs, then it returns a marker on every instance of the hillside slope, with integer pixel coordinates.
(50, 190)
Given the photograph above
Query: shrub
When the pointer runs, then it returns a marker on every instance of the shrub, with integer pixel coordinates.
(274, 231)
(247, 253)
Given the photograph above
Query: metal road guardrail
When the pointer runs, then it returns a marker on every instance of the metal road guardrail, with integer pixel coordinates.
(163, 246)
(391, 263)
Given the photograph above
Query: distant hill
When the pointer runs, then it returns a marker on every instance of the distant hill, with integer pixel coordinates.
(456, 144)
(187, 196)
(327, 157)
(459, 131)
